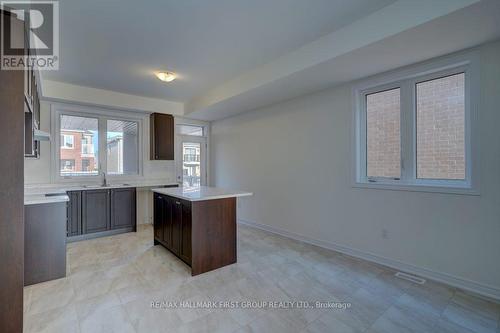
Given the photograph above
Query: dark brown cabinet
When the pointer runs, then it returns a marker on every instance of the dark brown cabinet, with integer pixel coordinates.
(161, 136)
(176, 222)
(172, 225)
(167, 222)
(100, 211)
(95, 211)
(158, 217)
(185, 244)
(201, 233)
(123, 208)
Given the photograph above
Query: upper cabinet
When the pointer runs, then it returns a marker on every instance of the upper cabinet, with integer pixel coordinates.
(161, 136)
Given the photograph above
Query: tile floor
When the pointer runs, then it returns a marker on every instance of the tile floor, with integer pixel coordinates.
(113, 281)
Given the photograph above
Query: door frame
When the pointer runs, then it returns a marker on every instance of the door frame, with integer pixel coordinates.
(178, 120)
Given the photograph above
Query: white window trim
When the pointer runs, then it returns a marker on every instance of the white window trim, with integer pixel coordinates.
(406, 78)
(58, 109)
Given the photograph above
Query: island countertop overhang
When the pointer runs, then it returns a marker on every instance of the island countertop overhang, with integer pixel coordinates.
(201, 193)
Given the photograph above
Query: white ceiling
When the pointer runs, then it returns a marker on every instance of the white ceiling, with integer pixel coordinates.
(404, 33)
(118, 44)
(237, 55)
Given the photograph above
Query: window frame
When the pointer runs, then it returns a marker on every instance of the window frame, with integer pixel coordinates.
(364, 131)
(102, 115)
(407, 79)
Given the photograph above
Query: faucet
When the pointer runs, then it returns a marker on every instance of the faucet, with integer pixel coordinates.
(104, 182)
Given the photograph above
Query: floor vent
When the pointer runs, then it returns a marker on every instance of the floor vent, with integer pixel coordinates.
(409, 277)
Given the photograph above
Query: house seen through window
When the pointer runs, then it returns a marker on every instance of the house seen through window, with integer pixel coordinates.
(80, 140)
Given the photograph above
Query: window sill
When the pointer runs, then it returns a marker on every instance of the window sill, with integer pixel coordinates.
(418, 188)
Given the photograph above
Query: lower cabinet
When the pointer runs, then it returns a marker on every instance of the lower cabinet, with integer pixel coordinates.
(100, 210)
(123, 208)
(44, 242)
(172, 225)
(201, 233)
(185, 245)
(96, 214)
(166, 222)
(158, 217)
(74, 213)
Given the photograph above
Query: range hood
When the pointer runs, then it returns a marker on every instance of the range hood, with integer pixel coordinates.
(41, 135)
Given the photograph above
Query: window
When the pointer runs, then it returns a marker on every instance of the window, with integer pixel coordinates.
(103, 142)
(67, 165)
(383, 140)
(86, 164)
(191, 166)
(121, 147)
(87, 145)
(441, 128)
(415, 132)
(73, 131)
(67, 141)
(190, 130)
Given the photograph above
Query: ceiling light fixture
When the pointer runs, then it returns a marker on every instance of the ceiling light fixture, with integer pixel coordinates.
(166, 76)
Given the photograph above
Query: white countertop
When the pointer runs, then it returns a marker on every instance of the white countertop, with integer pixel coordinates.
(35, 193)
(200, 193)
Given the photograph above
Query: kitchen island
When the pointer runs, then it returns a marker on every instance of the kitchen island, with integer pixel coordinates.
(198, 225)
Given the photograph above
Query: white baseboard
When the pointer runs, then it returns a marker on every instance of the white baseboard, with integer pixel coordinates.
(471, 286)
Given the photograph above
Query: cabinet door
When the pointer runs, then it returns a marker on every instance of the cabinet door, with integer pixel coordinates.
(185, 249)
(158, 216)
(167, 221)
(162, 136)
(74, 213)
(176, 225)
(28, 133)
(96, 212)
(123, 208)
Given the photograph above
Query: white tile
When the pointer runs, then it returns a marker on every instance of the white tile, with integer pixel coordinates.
(113, 281)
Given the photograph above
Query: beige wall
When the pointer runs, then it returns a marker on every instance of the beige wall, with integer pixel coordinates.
(296, 158)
